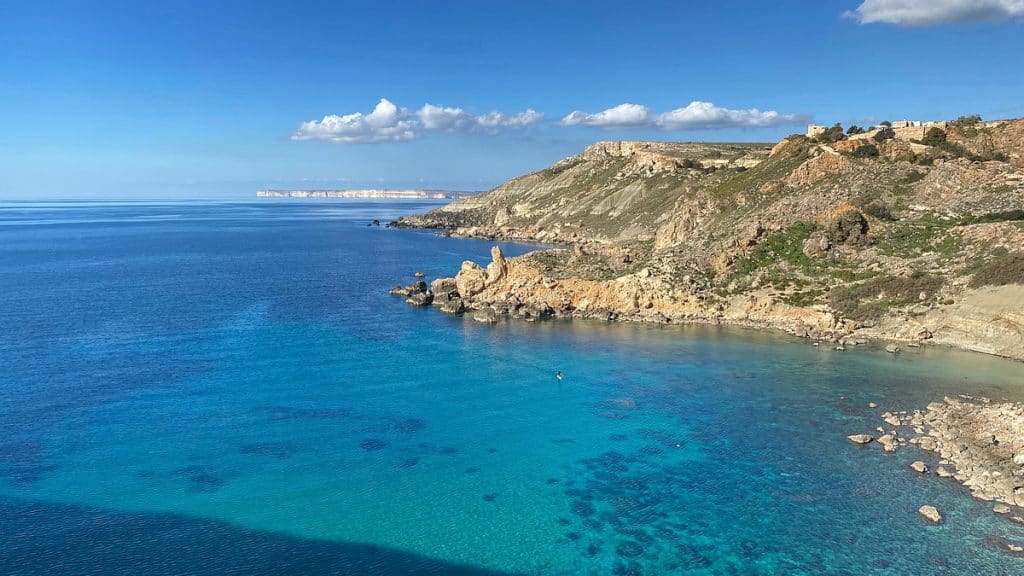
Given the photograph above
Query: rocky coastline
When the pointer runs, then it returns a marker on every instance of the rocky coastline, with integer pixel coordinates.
(974, 441)
(514, 288)
(909, 243)
(979, 443)
(520, 288)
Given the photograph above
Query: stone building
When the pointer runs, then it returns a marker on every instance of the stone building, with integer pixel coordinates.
(814, 130)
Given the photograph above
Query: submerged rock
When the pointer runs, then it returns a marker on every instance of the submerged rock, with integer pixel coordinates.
(920, 466)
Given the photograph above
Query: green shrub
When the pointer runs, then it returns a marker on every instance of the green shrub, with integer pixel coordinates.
(786, 245)
(802, 298)
(1000, 271)
(1007, 216)
(934, 136)
(870, 299)
(886, 133)
(830, 135)
(866, 151)
(880, 211)
(964, 121)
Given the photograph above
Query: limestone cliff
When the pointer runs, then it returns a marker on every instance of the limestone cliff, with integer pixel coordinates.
(891, 239)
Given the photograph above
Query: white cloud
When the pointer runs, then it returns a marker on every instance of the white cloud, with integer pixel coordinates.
(445, 119)
(389, 123)
(493, 120)
(621, 116)
(458, 120)
(697, 115)
(932, 12)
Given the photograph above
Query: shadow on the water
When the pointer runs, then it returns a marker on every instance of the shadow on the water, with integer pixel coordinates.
(43, 538)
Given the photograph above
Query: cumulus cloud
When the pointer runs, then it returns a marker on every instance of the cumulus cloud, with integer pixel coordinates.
(458, 120)
(932, 12)
(696, 115)
(389, 123)
(621, 116)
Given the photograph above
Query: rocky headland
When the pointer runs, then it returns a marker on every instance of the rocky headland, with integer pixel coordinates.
(843, 241)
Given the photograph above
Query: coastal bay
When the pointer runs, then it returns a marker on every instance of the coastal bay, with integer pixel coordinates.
(265, 391)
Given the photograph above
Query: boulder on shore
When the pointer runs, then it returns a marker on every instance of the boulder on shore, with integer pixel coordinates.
(452, 306)
(420, 299)
(486, 315)
(406, 291)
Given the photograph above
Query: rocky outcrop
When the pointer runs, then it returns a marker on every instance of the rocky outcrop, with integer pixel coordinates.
(409, 290)
(983, 441)
(827, 164)
(990, 139)
(930, 513)
(517, 288)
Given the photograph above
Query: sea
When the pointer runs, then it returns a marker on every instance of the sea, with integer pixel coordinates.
(228, 388)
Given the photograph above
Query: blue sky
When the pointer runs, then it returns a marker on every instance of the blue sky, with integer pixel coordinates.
(215, 99)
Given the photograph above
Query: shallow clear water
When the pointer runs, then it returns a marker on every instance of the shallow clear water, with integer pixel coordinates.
(208, 388)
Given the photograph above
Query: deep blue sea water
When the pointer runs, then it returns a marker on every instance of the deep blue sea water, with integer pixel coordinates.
(211, 388)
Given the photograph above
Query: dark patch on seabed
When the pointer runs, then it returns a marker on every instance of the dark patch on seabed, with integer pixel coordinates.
(291, 413)
(373, 444)
(626, 503)
(201, 478)
(23, 461)
(409, 425)
(279, 451)
(42, 538)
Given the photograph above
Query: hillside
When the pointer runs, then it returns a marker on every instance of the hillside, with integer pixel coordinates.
(840, 241)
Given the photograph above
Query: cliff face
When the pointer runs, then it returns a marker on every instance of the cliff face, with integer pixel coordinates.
(894, 239)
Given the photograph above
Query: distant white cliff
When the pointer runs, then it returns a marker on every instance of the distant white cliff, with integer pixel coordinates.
(394, 194)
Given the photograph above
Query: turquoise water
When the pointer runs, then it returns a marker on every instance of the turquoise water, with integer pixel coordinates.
(211, 388)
